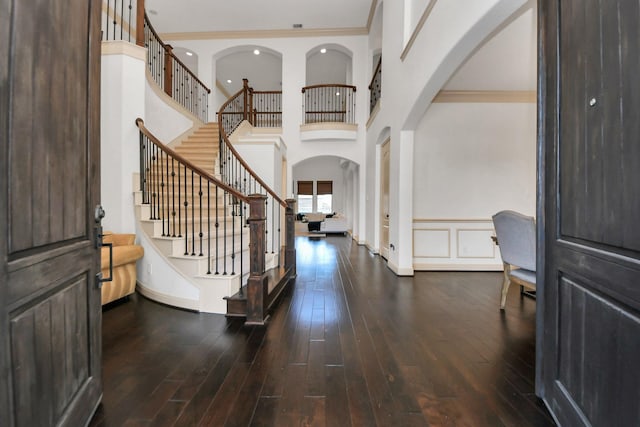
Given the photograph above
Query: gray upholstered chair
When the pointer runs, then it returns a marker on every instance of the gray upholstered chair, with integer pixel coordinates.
(516, 236)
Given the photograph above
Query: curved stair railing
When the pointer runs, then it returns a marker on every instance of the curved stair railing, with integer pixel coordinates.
(209, 215)
(236, 173)
(171, 74)
(192, 205)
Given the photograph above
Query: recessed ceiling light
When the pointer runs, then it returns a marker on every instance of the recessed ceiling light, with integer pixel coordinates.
(337, 93)
(229, 81)
(256, 52)
(323, 50)
(189, 53)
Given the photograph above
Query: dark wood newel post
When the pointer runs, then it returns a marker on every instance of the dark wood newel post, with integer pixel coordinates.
(140, 23)
(168, 69)
(257, 287)
(245, 106)
(290, 239)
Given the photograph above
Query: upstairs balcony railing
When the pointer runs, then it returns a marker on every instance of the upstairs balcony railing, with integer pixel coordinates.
(329, 103)
(171, 74)
(375, 87)
(260, 108)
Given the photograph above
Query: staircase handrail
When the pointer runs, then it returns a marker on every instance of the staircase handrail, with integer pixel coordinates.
(306, 88)
(168, 48)
(224, 137)
(166, 69)
(375, 73)
(185, 162)
(375, 87)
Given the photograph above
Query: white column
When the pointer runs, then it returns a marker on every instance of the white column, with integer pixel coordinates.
(401, 204)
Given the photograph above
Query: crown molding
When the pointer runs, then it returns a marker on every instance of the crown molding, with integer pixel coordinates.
(266, 34)
(486, 96)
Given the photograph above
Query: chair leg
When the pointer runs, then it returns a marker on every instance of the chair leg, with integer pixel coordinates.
(505, 286)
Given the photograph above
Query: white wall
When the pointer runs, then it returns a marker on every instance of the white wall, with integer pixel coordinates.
(472, 160)
(506, 61)
(263, 71)
(121, 102)
(164, 117)
(453, 30)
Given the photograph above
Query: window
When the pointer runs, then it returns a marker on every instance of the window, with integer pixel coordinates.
(324, 196)
(305, 196)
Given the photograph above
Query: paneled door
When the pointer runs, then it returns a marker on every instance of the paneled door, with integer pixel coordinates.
(589, 176)
(384, 199)
(50, 313)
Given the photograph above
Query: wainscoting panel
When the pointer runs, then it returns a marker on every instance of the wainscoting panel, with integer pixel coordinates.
(455, 244)
(475, 243)
(432, 243)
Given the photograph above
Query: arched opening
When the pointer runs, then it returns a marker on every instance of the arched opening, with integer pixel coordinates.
(329, 64)
(327, 185)
(261, 66)
(328, 95)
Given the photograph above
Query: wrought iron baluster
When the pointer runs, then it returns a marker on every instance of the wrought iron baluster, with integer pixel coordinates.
(224, 232)
(208, 227)
(200, 234)
(122, 17)
(217, 225)
(186, 214)
(173, 197)
(179, 203)
(193, 216)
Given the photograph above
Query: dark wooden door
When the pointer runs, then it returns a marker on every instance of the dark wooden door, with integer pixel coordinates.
(589, 310)
(50, 313)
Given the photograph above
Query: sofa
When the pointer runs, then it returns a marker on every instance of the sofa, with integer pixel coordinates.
(326, 223)
(334, 224)
(125, 255)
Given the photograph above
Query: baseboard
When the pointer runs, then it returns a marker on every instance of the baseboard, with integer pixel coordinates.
(369, 246)
(407, 271)
(185, 303)
(457, 267)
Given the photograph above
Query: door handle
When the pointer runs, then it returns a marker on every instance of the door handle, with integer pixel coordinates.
(99, 214)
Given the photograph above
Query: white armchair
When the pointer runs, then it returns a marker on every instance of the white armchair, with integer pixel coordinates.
(516, 235)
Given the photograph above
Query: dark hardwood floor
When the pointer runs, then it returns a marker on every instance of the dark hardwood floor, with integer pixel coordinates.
(350, 344)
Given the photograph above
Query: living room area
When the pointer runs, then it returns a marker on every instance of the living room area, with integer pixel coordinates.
(325, 190)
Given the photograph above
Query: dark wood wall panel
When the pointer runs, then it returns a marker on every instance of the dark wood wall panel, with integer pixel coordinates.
(598, 157)
(597, 334)
(49, 104)
(54, 330)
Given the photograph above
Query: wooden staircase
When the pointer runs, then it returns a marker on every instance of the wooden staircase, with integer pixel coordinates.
(202, 147)
(215, 270)
(211, 239)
